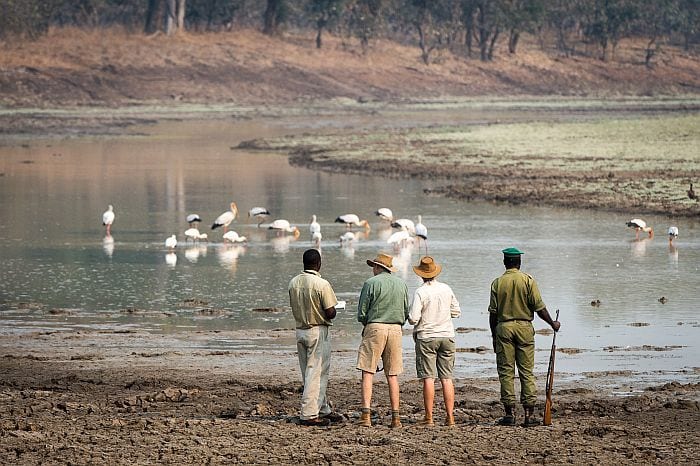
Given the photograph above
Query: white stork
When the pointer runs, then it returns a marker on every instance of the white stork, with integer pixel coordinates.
(281, 225)
(193, 219)
(385, 214)
(261, 213)
(233, 237)
(672, 234)
(404, 223)
(108, 218)
(351, 219)
(171, 242)
(640, 225)
(226, 218)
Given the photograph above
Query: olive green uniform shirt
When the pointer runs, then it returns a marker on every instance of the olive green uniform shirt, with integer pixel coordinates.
(515, 296)
(309, 295)
(383, 299)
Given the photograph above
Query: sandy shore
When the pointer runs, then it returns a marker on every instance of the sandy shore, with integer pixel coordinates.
(125, 397)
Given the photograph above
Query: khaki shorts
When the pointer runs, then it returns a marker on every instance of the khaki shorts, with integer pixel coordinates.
(381, 341)
(435, 357)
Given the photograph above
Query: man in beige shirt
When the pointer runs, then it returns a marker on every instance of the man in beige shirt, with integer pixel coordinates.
(313, 305)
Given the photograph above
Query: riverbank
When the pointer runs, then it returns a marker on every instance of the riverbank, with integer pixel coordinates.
(125, 397)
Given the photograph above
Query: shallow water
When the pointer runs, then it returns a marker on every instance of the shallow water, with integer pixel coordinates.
(55, 255)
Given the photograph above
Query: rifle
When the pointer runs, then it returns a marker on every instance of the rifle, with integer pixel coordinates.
(547, 421)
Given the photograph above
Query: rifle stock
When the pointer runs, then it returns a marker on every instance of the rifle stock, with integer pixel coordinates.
(547, 420)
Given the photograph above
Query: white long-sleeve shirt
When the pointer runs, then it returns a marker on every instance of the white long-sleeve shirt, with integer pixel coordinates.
(434, 306)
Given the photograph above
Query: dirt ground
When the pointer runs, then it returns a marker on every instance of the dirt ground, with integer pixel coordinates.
(125, 397)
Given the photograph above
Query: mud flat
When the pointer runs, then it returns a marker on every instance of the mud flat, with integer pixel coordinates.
(130, 397)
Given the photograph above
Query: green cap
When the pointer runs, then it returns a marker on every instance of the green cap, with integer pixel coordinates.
(512, 252)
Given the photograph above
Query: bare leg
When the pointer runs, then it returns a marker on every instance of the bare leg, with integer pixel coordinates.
(448, 392)
(393, 382)
(428, 396)
(366, 389)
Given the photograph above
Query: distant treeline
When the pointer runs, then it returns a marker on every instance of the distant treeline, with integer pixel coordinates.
(471, 28)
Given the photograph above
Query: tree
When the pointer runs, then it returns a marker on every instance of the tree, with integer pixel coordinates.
(607, 22)
(689, 25)
(432, 21)
(324, 13)
(521, 16)
(364, 20)
(274, 16)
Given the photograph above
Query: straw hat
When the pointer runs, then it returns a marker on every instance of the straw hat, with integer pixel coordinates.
(382, 260)
(427, 268)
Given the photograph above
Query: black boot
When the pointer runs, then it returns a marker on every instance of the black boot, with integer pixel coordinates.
(508, 419)
(530, 420)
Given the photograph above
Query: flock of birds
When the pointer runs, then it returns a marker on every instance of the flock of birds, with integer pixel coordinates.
(407, 232)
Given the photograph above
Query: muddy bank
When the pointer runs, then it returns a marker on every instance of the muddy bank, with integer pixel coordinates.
(81, 403)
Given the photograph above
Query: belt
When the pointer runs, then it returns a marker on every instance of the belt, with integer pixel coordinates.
(515, 320)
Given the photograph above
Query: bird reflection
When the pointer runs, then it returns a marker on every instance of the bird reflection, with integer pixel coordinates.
(348, 250)
(192, 253)
(108, 245)
(228, 255)
(171, 259)
(639, 247)
(281, 243)
(402, 261)
(673, 254)
(384, 232)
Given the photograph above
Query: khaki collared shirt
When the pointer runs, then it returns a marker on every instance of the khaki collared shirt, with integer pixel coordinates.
(309, 295)
(515, 296)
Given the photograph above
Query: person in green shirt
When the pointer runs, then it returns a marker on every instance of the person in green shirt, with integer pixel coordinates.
(382, 310)
(515, 299)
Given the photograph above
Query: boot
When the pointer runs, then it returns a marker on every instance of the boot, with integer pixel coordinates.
(508, 419)
(530, 420)
(365, 418)
(395, 419)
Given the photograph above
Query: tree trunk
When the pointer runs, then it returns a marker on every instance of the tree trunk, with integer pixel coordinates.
(153, 15)
(181, 7)
(170, 17)
(651, 51)
(425, 53)
(468, 36)
(513, 40)
(493, 43)
(318, 37)
(270, 17)
(484, 34)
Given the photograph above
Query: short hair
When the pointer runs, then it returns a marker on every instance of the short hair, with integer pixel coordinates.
(312, 258)
(511, 262)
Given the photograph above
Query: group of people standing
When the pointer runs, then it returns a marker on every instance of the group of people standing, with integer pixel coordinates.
(384, 308)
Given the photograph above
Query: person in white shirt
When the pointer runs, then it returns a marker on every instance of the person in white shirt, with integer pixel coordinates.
(434, 306)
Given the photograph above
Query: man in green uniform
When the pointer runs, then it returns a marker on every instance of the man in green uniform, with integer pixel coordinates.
(515, 299)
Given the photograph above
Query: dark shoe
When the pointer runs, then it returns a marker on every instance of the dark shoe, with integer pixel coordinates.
(333, 417)
(531, 422)
(507, 420)
(317, 421)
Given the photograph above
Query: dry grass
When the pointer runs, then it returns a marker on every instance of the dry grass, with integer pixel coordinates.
(113, 66)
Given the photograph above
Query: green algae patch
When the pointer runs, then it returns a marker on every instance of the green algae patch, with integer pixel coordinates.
(629, 160)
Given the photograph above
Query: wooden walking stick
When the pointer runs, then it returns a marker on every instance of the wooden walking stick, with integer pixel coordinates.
(547, 421)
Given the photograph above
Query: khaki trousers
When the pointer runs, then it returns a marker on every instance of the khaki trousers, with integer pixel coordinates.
(314, 351)
(515, 346)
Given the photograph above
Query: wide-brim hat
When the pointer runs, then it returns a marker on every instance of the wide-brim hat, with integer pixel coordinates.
(427, 268)
(382, 260)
